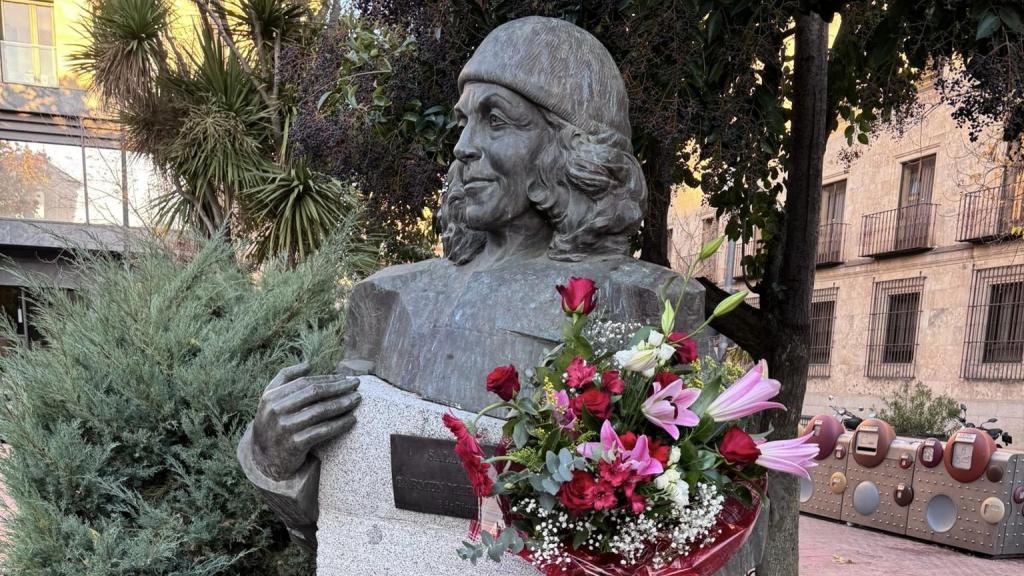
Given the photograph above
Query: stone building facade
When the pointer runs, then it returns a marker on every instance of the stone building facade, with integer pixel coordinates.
(65, 179)
(920, 271)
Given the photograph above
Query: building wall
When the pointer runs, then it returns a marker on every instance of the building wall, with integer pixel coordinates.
(872, 185)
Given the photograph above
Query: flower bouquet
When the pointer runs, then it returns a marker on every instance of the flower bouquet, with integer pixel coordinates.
(626, 455)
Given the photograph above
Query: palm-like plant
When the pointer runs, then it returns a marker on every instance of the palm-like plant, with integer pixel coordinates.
(293, 209)
(213, 115)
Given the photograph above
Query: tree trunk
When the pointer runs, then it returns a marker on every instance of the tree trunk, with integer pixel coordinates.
(789, 279)
(654, 235)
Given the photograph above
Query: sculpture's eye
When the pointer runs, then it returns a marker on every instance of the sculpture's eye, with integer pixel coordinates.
(496, 121)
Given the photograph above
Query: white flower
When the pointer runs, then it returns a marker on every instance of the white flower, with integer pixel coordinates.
(647, 355)
(636, 359)
(674, 455)
(681, 495)
(667, 479)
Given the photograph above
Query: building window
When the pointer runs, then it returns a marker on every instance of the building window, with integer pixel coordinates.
(916, 183)
(893, 330)
(823, 316)
(29, 56)
(994, 338)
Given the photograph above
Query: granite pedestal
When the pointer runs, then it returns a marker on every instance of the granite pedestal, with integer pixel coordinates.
(360, 532)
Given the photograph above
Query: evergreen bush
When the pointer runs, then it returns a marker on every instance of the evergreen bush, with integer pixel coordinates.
(914, 410)
(122, 427)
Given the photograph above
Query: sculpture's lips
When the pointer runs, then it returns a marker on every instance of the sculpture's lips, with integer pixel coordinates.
(472, 185)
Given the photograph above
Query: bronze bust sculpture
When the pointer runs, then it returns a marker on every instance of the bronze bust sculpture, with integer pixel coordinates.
(545, 186)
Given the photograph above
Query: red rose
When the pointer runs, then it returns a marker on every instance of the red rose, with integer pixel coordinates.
(737, 447)
(604, 496)
(579, 373)
(597, 402)
(611, 382)
(577, 495)
(471, 456)
(578, 296)
(503, 381)
(659, 452)
(686, 347)
(666, 378)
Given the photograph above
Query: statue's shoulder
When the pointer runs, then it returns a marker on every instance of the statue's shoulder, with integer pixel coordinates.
(400, 275)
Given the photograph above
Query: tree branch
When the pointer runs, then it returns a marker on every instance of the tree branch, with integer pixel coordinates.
(745, 325)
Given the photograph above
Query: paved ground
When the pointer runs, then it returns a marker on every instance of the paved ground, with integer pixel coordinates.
(834, 549)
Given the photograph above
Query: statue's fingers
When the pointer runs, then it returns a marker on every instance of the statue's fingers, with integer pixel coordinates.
(317, 391)
(324, 431)
(322, 411)
(289, 389)
(285, 375)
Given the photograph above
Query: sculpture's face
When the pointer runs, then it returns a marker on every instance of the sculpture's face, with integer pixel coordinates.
(503, 135)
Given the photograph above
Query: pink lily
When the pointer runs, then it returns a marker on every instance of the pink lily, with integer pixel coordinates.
(638, 459)
(565, 416)
(746, 396)
(794, 456)
(667, 407)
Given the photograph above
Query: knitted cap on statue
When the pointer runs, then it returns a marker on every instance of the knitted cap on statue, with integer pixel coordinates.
(559, 66)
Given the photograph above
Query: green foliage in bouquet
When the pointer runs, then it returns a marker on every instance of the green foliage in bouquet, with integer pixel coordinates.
(123, 425)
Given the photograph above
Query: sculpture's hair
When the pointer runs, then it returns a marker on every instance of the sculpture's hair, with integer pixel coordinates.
(460, 244)
(590, 187)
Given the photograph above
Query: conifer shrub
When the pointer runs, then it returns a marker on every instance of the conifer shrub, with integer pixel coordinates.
(122, 427)
(914, 410)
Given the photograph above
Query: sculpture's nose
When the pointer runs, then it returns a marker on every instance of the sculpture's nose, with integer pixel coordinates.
(466, 149)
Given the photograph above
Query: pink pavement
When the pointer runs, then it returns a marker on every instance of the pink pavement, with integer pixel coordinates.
(830, 548)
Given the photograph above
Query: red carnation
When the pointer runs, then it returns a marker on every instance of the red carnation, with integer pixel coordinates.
(579, 373)
(659, 451)
(577, 495)
(503, 381)
(604, 496)
(737, 447)
(637, 503)
(578, 296)
(628, 440)
(597, 402)
(614, 473)
(471, 456)
(686, 347)
(611, 382)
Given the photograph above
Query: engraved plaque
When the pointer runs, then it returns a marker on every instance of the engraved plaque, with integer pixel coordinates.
(426, 476)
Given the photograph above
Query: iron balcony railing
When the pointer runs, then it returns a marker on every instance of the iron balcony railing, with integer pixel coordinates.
(990, 214)
(24, 63)
(903, 230)
(830, 244)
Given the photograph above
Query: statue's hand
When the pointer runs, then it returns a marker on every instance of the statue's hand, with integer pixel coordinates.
(298, 412)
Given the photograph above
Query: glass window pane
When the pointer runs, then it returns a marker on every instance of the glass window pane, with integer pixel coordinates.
(144, 184)
(44, 25)
(103, 180)
(41, 181)
(17, 27)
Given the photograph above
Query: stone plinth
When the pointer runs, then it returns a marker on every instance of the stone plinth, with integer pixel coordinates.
(361, 532)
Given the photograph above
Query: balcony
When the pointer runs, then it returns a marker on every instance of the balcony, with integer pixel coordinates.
(830, 244)
(904, 230)
(990, 215)
(34, 64)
